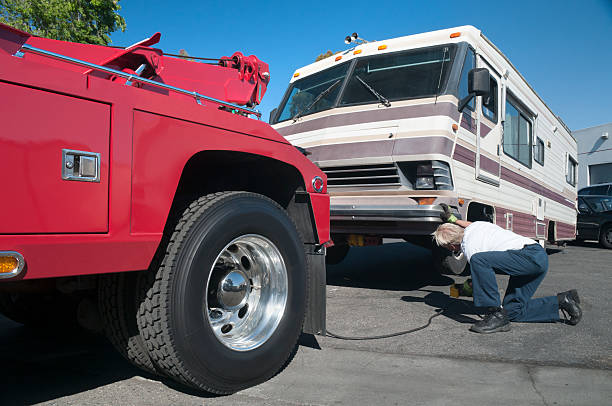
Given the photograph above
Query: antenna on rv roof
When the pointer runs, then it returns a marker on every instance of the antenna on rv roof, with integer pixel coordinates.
(354, 37)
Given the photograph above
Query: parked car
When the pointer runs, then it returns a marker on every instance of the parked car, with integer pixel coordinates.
(595, 219)
(604, 189)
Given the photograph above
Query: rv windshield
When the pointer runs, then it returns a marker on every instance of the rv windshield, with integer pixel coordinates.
(401, 75)
(305, 91)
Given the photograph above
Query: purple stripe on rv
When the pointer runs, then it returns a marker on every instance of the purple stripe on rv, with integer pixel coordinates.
(402, 146)
(468, 123)
(515, 178)
(489, 165)
(522, 223)
(428, 145)
(565, 230)
(541, 228)
(468, 157)
(484, 130)
(525, 224)
(394, 113)
(465, 155)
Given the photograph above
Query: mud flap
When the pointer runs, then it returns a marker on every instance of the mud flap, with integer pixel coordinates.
(314, 323)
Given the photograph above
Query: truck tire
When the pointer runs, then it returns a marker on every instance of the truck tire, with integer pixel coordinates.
(225, 308)
(605, 238)
(40, 310)
(447, 262)
(118, 309)
(336, 254)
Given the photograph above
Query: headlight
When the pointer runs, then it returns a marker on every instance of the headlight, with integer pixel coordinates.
(425, 177)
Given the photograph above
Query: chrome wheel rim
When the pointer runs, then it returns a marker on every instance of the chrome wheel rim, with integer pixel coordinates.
(246, 292)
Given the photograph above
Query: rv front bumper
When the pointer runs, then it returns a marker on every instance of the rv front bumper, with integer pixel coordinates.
(385, 219)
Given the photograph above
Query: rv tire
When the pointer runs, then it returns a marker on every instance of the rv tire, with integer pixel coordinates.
(449, 263)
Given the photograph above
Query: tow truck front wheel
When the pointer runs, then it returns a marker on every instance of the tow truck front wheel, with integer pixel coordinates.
(226, 306)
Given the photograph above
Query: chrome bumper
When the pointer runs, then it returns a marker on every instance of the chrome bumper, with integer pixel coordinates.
(426, 213)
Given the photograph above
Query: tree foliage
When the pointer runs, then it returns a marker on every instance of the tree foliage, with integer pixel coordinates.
(85, 21)
(321, 56)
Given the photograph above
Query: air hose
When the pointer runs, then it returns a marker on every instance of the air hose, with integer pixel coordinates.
(399, 333)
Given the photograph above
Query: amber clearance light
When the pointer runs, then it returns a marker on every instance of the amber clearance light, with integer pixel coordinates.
(11, 264)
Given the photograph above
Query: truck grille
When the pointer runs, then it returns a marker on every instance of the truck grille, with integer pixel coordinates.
(363, 175)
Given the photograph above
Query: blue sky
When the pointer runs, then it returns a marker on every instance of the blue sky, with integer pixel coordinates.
(563, 48)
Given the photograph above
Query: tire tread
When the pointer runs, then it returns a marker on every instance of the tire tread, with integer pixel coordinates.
(154, 290)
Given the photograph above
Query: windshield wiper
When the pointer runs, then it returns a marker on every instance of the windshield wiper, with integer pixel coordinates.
(316, 100)
(379, 96)
(441, 70)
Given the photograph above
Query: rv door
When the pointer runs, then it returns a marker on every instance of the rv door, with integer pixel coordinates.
(488, 129)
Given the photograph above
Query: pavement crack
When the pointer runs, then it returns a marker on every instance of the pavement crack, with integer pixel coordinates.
(533, 385)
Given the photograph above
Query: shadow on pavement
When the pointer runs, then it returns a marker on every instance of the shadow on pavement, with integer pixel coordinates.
(455, 309)
(42, 366)
(396, 267)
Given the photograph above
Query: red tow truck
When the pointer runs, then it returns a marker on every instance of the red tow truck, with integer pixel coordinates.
(141, 195)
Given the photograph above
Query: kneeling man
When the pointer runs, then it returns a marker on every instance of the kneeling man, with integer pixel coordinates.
(489, 248)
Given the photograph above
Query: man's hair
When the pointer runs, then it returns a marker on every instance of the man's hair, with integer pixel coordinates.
(448, 233)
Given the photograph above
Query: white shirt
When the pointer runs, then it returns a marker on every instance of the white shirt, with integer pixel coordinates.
(482, 236)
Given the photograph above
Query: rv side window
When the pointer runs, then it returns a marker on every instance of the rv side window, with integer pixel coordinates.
(517, 133)
(489, 104)
(571, 171)
(463, 83)
(539, 151)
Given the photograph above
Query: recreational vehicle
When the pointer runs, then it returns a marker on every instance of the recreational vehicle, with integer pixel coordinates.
(402, 125)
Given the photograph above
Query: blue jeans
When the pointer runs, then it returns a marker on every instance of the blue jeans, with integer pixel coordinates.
(527, 268)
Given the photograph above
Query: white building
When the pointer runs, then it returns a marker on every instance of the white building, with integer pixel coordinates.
(594, 155)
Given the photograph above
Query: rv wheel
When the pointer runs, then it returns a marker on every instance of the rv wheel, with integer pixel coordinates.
(448, 262)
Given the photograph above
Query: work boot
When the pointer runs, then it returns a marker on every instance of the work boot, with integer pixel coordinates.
(569, 305)
(494, 321)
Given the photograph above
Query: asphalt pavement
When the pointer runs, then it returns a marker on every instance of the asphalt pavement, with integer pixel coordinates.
(376, 290)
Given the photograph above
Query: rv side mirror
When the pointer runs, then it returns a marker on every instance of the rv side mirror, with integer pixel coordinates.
(479, 84)
(272, 115)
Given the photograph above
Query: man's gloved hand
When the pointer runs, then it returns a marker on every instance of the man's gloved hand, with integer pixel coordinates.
(447, 215)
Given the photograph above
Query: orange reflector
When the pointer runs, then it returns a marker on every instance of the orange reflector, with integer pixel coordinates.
(461, 202)
(338, 58)
(357, 51)
(455, 34)
(381, 47)
(8, 264)
(425, 200)
(296, 74)
(455, 127)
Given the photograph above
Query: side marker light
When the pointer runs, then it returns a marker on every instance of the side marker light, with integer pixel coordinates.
(318, 184)
(11, 264)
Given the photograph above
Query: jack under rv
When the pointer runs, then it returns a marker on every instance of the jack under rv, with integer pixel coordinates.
(402, 125)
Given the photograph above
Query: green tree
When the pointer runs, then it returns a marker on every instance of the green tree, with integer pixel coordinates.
(321, 56)
(85, 21)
